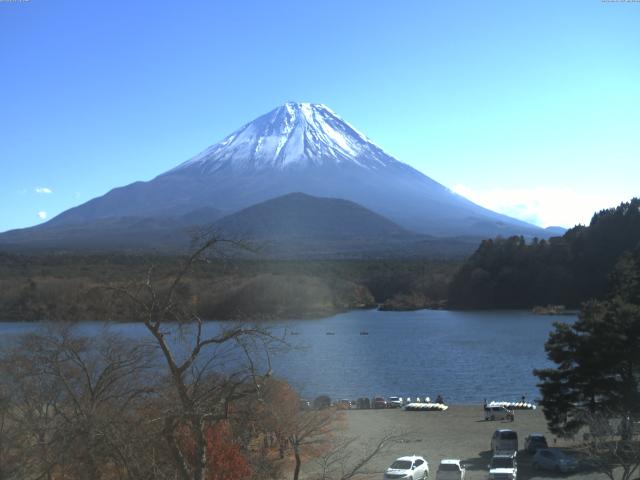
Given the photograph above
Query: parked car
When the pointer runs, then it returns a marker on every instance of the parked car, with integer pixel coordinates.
(379, 402)
(304, 404)
(535, 441)
(492, 412)
(503, 466)
(554, 459)
(450, 469)
(504, 440)
(408, 468)
(394, 402)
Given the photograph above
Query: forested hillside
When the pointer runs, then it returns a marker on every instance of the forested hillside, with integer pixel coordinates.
(79, 287)
(567, 270)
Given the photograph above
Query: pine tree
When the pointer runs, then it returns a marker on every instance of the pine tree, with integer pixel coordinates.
(597, 358)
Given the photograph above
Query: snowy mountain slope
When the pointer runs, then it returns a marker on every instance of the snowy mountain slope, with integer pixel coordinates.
(300, 147)
(292, 136)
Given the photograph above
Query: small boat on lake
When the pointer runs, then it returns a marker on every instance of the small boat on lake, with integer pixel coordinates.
(364, 333)
(330, 333)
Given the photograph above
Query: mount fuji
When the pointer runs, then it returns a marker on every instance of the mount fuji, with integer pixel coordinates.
(297, 147)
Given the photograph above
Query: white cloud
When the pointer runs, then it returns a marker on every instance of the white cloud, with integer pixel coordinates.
(543, 206)
(43, 190)
(42, 214)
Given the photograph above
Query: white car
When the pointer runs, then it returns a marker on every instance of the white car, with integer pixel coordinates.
(408, 468)
(503, 466)
(395, 402)
(497, 412)
(450, 469)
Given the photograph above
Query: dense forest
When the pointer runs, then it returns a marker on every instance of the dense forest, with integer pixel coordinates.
(567, 270)
(79, 287)
(502, 273)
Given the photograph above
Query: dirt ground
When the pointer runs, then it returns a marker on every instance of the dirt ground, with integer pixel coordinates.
(460, 432)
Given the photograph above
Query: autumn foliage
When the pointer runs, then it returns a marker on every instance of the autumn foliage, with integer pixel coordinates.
(226, 461)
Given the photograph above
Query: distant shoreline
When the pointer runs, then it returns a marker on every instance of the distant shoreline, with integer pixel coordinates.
(309, 316)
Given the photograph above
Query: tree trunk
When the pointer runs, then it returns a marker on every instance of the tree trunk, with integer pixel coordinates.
(181, 462)
(198, 426)
(296, 452)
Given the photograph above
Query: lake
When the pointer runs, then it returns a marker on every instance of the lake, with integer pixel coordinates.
(464, 356)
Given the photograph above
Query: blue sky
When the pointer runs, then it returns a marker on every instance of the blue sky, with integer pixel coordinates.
(529, 108)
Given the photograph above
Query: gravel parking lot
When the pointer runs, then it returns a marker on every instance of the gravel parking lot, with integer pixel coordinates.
(460, 432)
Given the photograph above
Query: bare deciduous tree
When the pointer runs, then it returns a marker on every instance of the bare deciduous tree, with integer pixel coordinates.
(612, 445)
(74, 404)
(207, 370)
(190, 403)
(345, 458)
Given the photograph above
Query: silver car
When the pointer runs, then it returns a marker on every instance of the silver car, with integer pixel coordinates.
(504, 439)
(450, 469)
(554, 459)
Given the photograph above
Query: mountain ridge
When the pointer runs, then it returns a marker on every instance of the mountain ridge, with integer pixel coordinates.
(297, 147)
(294, 226)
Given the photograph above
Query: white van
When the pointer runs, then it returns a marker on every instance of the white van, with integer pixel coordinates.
(494, 412)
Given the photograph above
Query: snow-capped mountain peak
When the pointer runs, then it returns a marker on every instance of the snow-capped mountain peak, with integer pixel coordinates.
(298, 147)
(293, 135)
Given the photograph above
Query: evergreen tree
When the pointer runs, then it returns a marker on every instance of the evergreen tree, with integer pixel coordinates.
(597, 358)
(567, 270)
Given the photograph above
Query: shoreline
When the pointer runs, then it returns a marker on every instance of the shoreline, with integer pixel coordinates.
(307, 316)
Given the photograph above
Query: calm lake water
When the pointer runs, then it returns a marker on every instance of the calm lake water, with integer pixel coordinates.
(464, 356)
